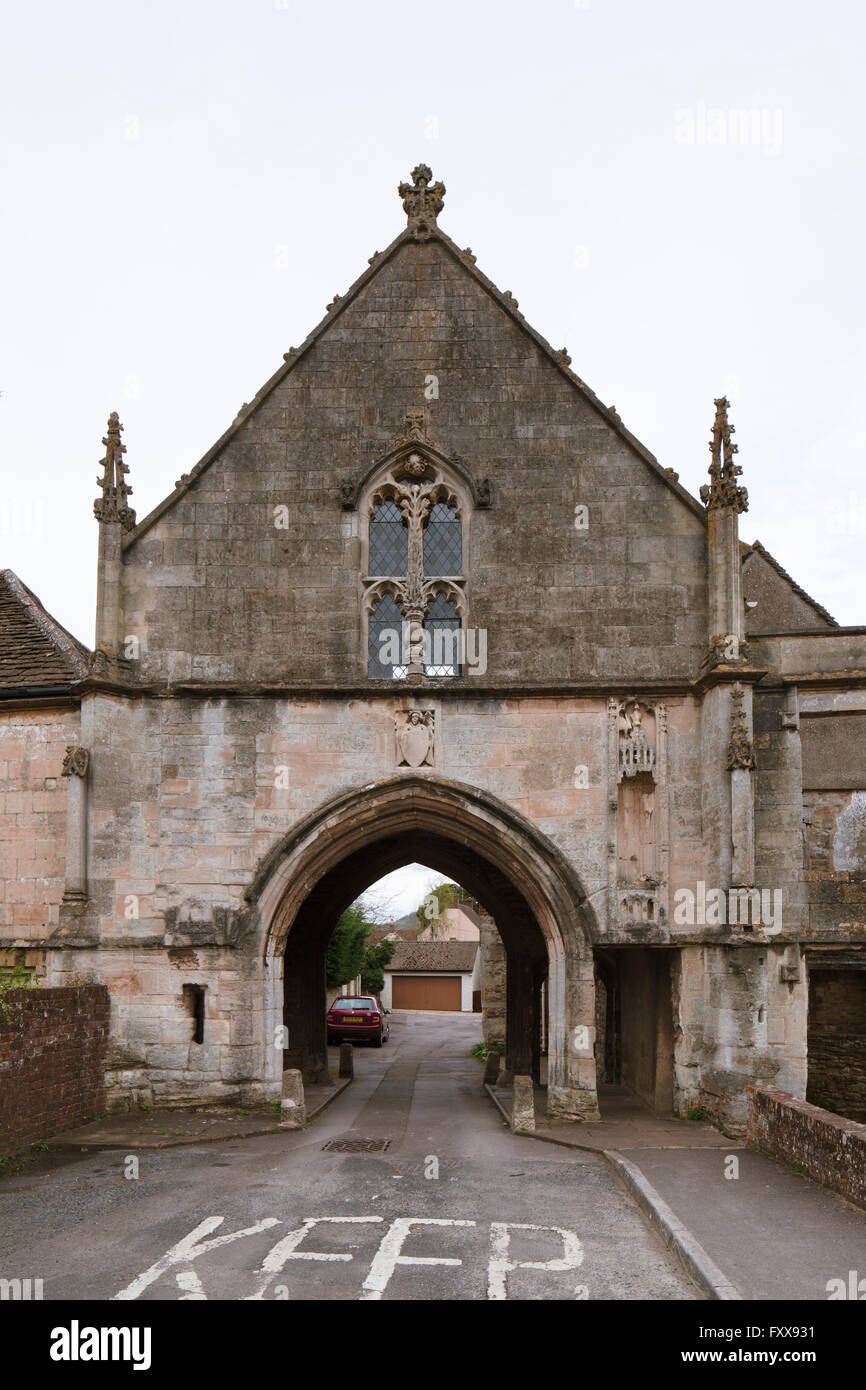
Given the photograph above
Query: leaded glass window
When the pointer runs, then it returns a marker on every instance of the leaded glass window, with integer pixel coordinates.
(442, 631)
(384, 640)
(443, 545)
(389, 540)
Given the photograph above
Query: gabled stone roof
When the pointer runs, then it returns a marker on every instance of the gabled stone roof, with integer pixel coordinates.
(338, 305)
(452, 956)
(758, 549)
(35, 651)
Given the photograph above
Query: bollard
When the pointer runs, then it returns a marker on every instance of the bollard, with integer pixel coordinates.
(347, 1059)
(491, 1070)
(523, 1103)
(293, 1107)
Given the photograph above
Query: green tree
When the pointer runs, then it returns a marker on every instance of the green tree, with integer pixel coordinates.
(345, 955)
(445, 895)
(373, 969)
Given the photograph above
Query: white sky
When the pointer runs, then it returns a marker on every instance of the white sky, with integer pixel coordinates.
(403, 890)
(187, 183)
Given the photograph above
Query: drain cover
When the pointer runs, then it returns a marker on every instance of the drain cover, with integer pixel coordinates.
(356, 1146)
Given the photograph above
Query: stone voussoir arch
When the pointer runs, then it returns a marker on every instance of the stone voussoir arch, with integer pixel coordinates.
(377, 818)
(453, 810)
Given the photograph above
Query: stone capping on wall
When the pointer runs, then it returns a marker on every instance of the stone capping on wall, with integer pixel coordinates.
(52, 1043)
(829, 1149)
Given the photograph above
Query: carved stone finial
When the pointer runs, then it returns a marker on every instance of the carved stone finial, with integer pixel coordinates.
(741, 751)
(113, 504)
(76, 762)
(564, 358)
(414, 430)
(422, 201)
(723, 489)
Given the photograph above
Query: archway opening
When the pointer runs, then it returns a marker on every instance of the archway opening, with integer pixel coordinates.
(528, 887)
(428, 959)
(304, 976)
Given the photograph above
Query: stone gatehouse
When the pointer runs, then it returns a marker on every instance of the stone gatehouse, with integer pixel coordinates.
(427, 598)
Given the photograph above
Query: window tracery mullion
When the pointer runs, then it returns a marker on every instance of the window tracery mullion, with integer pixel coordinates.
(411, 590)
(415, 504)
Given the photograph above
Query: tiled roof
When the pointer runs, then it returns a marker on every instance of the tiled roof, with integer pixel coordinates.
(34, 649)
(434, 955)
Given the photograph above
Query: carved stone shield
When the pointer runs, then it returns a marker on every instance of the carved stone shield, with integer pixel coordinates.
(414, 741)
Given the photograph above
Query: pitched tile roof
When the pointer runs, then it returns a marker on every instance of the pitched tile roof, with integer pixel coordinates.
(35, 651)
(434, 955)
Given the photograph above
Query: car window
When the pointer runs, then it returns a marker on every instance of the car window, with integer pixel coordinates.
(353, 1004)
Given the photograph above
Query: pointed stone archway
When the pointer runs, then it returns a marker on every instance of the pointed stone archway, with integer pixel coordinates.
(545, 920)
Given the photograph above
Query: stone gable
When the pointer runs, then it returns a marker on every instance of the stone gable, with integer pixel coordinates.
(216, 591)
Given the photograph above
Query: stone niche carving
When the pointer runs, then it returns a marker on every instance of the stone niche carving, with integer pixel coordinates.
(636, 741)
(415, 731)
(639, 848)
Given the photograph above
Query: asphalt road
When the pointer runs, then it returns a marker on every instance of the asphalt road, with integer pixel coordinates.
(455, 1208)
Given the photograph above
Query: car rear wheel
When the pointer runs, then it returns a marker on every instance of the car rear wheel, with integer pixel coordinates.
(377, 1042)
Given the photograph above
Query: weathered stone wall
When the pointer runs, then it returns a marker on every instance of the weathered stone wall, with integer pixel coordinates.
(153, 1058)
(739, 1015)
(33, 820)
(493, 968)
(188, 794)
(834, 814)
(777, 605)
(215, 591)
(828, 1149)
(779, 808)
(52, 1043)
(837, 1041)
(834, 752)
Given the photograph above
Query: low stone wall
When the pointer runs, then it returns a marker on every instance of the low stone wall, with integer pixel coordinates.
(829, 1149)
(52, 1042)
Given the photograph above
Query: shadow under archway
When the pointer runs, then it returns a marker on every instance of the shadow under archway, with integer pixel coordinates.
(518, 874)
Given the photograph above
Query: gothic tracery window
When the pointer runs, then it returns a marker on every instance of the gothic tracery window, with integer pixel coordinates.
(443, 541)
(413, 584)
(389, 540)
(442, 627)
(385, 619)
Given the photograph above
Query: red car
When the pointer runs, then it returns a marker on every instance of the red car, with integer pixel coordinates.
(358, 1019)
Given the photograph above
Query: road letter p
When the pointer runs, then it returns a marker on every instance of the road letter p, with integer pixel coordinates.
(501, 1263)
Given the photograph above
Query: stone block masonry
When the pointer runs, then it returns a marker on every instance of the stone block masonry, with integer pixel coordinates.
(828, 1149)
(52, 1044)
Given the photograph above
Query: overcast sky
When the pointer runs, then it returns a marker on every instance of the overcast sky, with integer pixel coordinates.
(402, 891)
(186, 185)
